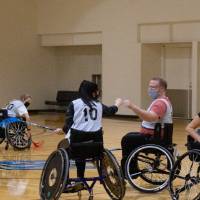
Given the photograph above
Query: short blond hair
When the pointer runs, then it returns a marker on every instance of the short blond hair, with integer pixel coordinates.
(23, 97)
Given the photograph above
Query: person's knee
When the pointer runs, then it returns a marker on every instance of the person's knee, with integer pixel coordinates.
(125, 138)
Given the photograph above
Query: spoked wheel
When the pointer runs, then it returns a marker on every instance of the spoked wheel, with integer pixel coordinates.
(186, 184)
(63, 144)
(148, 167)
(112, 178)
(54, 175)
(17, 135)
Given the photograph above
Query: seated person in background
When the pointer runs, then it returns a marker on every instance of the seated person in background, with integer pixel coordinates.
(85, 114)
(194, 133)
(159, 111)
(18, 108)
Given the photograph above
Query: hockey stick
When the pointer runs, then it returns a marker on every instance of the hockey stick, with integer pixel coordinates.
(40, 126)
(38, 143)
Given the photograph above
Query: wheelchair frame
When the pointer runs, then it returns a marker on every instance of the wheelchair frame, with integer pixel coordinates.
(144, 163)
(185, 175)
(55, 176)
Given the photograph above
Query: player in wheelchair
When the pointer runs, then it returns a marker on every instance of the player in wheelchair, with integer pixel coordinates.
(13, 126)
(83, 143)
(147, 155)
(185, 177)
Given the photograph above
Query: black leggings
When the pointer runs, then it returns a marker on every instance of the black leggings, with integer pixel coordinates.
(80, 165)
(131, 141)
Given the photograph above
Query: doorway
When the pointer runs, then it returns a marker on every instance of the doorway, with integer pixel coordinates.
(176, 70)
(173, 63)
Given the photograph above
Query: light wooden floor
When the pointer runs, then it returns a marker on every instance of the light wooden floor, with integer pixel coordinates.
(24, 184)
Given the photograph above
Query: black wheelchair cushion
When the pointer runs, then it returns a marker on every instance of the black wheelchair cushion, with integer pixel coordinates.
(85, 145)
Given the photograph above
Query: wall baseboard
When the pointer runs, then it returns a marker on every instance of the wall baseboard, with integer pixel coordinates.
(37, 111)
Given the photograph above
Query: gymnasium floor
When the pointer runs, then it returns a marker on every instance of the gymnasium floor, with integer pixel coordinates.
(24, 184)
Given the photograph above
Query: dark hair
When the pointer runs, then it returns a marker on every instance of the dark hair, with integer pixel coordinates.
(86, 90)
(162, 82)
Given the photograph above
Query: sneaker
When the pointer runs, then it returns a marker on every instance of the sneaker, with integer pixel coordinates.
(74, 187)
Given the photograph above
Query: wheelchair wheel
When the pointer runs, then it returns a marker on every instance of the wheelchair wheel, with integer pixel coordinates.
(148, 167)
(186, 183)
(17, 135)
(112, 178)
(63, 144)
(54, 175)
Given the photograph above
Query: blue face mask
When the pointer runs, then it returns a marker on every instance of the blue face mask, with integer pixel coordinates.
(153, 94)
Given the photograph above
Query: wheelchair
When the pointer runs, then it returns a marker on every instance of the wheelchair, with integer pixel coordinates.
(184, 181)
(55, 178)
(13, 131)
(148, 167)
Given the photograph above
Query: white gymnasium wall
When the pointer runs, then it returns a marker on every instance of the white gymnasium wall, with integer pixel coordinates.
(24, 65)
(118, 21)
(198, 79)
(151, 67)
(76, 63)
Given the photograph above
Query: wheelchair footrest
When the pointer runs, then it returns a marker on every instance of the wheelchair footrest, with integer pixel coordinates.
(74, 187)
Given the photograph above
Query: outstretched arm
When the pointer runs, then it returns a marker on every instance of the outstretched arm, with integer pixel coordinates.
(27, 119)
(111, 110)
(143, 114)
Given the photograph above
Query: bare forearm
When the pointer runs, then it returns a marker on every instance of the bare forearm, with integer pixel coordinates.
(27, 119)
(143, 114)
(192, 133)
(191, 128)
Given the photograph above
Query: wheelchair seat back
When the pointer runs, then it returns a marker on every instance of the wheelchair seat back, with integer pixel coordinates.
(191, 143)
(164, 135)
(84, 145)
(3, 114)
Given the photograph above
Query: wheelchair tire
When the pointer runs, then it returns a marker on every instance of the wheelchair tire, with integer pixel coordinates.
(148, 167)
(54, 175)
(17, 135)
(184, 182)
(63, 144)
(112, 177)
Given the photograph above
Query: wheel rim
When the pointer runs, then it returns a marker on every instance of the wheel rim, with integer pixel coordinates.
(17, 135)
(112, 176)
(54, 175)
